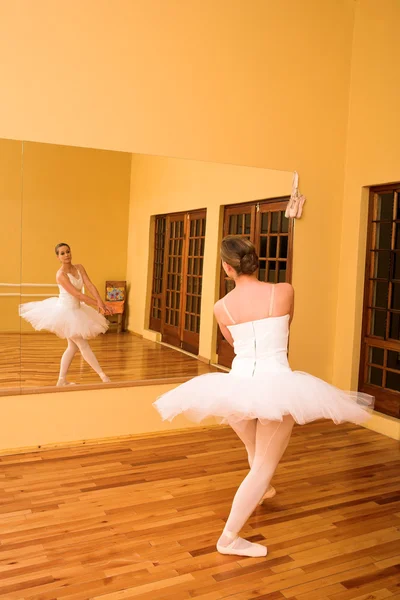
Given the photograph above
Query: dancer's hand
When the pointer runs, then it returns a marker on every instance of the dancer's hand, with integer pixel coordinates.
(103, 308)
(108, 310)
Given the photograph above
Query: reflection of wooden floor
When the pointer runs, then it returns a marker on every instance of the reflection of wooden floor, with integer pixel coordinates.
(138, 519)
(124, 357)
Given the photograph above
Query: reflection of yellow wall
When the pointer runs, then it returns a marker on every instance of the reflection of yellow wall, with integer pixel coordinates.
(373, 152)
(79, 196)
(161, 185)
(84, 415)
(10, 231)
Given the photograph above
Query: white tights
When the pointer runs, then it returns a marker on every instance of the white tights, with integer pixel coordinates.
(265, 445)
(74, 345)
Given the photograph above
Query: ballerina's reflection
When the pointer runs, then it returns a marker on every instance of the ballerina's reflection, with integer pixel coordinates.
(69, 315)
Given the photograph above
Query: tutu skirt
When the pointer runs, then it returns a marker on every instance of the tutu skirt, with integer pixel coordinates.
(64, 320)
(231, 398)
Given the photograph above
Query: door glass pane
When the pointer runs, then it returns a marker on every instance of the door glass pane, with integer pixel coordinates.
(272, 272)
(381, 262)
(378, 323)
(375, 376)
(380, 294)
(273, 246)
(396, 265)
(264, 222)
(383, 232)
(397, 237)
(262, 270)
(263, 246)
(247, 223)
(393, 360)
(376, 355)
(282, 274)
(274, 222)
(283, 246)
(385, 206)
(393, 381)
(395, 296)
(284, 223)
(394, 328)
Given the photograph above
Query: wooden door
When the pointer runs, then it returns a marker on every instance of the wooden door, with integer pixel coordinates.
(173, 278)
(177, 278)
(193, 280)
(263, 223)
(156, 306)
(380, 345)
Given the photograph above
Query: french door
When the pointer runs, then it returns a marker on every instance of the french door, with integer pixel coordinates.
(263, 223)
(177, 278)
(380, 346)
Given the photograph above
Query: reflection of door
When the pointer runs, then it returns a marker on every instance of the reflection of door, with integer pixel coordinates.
(177, 278)
(193, 280)
(380, 347)
(264, 224)
(172, 284)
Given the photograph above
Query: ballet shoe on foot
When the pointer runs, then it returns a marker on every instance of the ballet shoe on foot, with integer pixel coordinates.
(105, 378)
(240, 547)
(270, 493)
(63, 382)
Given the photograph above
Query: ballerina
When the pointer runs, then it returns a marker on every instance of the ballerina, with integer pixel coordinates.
(261, 398)
(71, 316)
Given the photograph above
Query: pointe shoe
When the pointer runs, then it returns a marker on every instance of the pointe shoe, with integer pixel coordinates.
(302, 199)
(105, 378)
(252, 550)
(270, 493)
(63, 382)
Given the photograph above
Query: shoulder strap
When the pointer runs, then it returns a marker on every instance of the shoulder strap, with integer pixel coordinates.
(271, 303)
(227, 311)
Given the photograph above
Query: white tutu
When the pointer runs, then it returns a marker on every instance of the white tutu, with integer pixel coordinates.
(262, 386)
(231, 399)
(65, 321)
(65, 316)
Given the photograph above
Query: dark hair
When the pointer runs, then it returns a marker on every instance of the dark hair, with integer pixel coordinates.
(239, 253)
(59, 246)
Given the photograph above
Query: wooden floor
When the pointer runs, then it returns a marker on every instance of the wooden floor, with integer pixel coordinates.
(33, 360)
(139, 520)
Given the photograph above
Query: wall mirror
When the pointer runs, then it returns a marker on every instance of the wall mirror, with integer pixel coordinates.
(146, 231)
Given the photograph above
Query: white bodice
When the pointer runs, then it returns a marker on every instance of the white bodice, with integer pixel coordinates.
(65, 298)
(260, 346)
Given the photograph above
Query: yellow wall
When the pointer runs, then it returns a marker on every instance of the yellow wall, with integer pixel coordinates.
(10, 231)
(373, 157)
(78, 196)
(161, 185)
